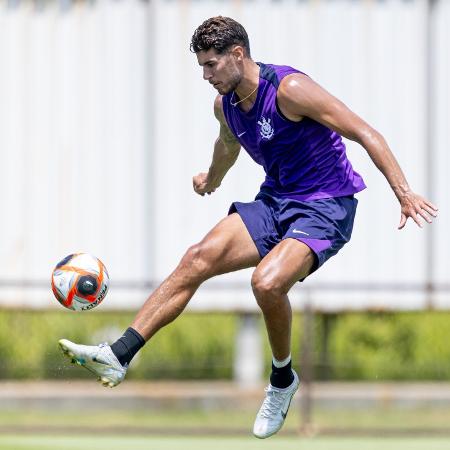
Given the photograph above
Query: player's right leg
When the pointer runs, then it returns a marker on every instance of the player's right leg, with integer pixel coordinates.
(226, 248)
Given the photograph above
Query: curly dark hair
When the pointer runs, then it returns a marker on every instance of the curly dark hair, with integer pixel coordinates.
(219, 33)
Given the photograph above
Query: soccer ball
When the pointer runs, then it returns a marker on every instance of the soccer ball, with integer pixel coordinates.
(80, 282)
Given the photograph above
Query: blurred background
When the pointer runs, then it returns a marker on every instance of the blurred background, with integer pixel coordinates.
(105, 118)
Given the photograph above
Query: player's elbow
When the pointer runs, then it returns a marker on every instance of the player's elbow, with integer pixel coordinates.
(367, 137)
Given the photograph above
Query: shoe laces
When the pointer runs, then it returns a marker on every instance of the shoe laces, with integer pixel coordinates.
(272, 403)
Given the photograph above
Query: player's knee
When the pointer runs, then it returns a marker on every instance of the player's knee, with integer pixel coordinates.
(266, 288)
(195, 263)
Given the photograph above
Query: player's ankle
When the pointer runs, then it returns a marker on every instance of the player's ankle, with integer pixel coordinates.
(282, 375)
(127, 346)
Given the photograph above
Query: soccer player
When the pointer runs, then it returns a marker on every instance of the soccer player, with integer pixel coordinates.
(302, 215)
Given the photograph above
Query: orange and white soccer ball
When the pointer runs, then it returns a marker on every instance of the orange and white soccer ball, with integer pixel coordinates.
(80, 282)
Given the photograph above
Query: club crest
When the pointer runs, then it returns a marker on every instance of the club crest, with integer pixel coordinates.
(266, 129)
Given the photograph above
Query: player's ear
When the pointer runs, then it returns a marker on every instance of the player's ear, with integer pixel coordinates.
(237, 51)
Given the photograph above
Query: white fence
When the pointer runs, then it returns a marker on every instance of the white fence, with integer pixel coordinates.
(104, 118)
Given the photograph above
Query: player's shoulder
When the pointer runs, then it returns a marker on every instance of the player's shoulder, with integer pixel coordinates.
(218, 102)
(218, 108)
(293, 82)
(293, 92)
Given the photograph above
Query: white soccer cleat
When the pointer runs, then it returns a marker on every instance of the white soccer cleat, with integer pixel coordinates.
(273, 411)
(98, 359)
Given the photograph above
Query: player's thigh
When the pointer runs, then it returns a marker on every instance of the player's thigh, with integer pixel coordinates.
(288, 262)
(229, 246)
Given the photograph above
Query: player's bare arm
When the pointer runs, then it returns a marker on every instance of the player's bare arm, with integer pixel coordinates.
(299, 96)
(226, 152)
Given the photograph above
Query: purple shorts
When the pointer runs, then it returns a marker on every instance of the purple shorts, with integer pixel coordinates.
(324, 225)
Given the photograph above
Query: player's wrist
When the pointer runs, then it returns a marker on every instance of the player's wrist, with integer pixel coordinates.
(213, 179)
(401, 190)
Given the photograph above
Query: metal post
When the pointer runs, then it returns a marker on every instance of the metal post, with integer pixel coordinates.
(325, 365)
(306, 365)
(430, 143)
(248, 365)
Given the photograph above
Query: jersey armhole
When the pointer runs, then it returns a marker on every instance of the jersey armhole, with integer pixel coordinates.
(280, 113)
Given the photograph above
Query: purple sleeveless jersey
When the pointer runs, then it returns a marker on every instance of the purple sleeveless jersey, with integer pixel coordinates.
(302, 160)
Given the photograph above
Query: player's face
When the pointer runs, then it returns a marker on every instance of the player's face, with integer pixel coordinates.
(221, 70)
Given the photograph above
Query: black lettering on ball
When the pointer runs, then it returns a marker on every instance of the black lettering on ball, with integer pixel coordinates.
(87, 285)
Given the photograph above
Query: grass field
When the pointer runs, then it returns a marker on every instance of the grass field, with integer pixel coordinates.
(62, 424)
(40, 442)
(144, 421)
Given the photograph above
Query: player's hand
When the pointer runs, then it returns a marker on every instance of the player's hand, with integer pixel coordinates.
(201, 184)
(416, 207)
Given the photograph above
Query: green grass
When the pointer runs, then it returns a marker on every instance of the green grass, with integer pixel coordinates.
(39, 442)
(135, 420)
(383, 418)
(136, 429)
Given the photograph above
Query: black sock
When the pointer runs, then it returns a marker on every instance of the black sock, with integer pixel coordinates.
(127, 346)
(282, 377)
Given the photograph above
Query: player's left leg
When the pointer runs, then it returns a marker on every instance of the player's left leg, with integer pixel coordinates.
(287, 263)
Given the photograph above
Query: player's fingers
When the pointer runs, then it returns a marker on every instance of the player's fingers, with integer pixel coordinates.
(430, 209)
(424, 214)
(402, 221)
(431, 205)
(414, 216)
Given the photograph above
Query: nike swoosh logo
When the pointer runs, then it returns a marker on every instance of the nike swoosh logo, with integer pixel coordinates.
(99, 362)
(299, 232)
(241, 134)
(284, 414)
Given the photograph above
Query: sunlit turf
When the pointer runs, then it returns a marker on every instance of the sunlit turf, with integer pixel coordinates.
(148, 420)
(76, 442)
(136, 429)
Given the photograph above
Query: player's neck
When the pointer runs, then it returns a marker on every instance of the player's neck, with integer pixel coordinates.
(247, 89)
